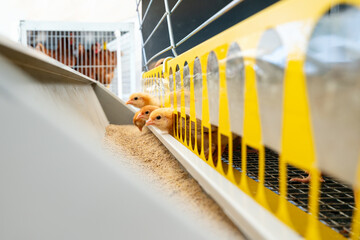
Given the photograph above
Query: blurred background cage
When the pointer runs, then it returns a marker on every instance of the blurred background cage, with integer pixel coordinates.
(281, 89)
(102, 51)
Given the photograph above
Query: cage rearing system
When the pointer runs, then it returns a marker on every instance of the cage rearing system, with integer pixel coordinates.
(281, 91)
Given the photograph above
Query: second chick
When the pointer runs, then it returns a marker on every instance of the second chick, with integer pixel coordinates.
(143, 115)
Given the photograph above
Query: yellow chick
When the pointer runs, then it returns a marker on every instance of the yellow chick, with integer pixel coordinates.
(140, 100)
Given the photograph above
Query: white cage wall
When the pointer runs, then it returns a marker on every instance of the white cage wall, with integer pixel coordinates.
(102, 51)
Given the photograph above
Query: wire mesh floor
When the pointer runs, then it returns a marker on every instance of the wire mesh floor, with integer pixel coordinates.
(336, 204)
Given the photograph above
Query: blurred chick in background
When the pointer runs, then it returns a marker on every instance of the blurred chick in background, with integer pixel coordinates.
(65, 51)
(107, 61)
(156, 64)
(143, 115)
(98, 63)
(140, 100)
(305, 179)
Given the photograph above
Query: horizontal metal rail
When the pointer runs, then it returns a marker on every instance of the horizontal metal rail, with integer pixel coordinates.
(167, 14)
(158, 54)
(171, 35)
(142, 39)
(146, 12)
(156, 27)
(210, 20)
(175, 6)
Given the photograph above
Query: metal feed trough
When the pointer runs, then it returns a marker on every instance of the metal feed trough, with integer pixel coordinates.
(56, 181)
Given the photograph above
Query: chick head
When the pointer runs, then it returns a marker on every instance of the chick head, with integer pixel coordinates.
(146, 111)
(161, 118)
(138, 100)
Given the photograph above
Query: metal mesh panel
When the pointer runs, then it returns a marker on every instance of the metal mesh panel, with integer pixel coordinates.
(336, 199)
(91, 49)
(83, 51)
(171, 27)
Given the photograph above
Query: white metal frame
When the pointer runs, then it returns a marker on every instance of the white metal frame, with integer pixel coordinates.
(117, 27)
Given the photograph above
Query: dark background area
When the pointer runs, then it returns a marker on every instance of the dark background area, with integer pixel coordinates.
(188, 16)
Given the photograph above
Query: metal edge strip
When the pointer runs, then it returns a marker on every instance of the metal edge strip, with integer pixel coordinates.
(251, 218)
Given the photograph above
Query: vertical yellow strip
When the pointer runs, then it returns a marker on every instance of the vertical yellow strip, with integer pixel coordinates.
(260, 195)
(224, 120)
(243, 180)
(182, 106)
(252, 134)
(175, 103)
(297, 139)
(205, 108)
(296, 121)
(282, 212)
(230, 173)
(313, 226)
(252, 126)
(166, 84)
(158, 88)
(192, 111)
(155, 85)
(167, 88)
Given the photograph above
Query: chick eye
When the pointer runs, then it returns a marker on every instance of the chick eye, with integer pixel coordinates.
(135, 98)
(147, 112)
(158, 117)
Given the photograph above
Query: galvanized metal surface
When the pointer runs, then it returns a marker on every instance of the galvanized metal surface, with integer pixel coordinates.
(270, 70)
(198, 89)
(332, 69)
(213, 79)
(55, 180)
(235, 79)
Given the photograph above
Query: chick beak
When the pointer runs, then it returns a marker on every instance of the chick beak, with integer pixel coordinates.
(129, 102)
(139, 116)
(149, 122)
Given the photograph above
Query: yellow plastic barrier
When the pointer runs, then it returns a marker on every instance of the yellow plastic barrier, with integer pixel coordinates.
(259, 84)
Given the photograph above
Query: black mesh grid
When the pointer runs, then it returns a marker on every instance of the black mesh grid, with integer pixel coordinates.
(336, 203)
